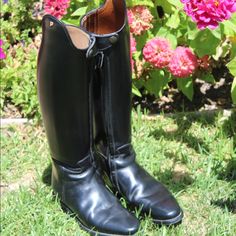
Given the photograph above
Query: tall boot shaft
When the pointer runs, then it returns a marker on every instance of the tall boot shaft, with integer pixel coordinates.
(109, 25)
(63, 87)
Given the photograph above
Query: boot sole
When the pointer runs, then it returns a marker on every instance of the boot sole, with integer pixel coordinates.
(67, 210)
(170, 222)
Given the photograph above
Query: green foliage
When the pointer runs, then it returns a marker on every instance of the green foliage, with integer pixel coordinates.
(157, 82)
(19, 28)
(186, 86)
(205, 42)
(179, 29)
(16, 21)
(18, 70)
(19, 81)
(232, 67)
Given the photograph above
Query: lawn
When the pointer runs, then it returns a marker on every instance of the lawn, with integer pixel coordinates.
(193, 154)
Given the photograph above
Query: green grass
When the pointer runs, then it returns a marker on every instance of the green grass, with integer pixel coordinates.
(194, 155)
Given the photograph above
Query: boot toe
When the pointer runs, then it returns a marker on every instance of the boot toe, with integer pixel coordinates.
(121, 223)
(167, 211)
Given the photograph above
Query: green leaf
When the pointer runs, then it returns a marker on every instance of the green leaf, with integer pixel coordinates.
(222, 50)
(233, 49)
(205, 43)
(173, 21)
(186, 86)
(81, 11)
(167, 6)
(192, 30)
(165, 33)
(229, 28)
(173, 40)
(216, 32)
(233, 91)
(208, 77)
(156, 83)
(176, 3)
(147, 3)
(142, 39)
(232, 67)
(135, 91)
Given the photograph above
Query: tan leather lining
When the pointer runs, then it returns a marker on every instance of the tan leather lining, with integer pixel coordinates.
(107, 19)
(79, 38)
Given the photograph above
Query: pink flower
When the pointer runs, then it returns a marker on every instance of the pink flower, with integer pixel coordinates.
(57, 8)
(183, 62)
(139, 18)
(208, 13)
(132, 44)
(2, 54)
(132, 49)
(158, 52)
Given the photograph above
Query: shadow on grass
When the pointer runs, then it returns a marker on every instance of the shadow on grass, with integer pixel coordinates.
(229, 173)
(181, 135)
(46, 177)
(228, 204)
(175, 180)
(184, 122)
(229, 129)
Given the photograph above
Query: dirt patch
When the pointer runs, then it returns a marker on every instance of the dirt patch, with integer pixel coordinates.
(180, 174)
(24, 181)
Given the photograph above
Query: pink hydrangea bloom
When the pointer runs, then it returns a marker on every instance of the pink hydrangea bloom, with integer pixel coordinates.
(57, 8)
(132, 49)
(2, 54)
(132, 44)
(208, 13)
(183, 62)
(140, 19)
(158, 52)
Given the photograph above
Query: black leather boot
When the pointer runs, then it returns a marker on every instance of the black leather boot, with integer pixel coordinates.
(66, 63)
(112, 98)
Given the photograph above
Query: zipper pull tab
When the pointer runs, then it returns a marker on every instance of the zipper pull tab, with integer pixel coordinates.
(100, 59)
(92, 50)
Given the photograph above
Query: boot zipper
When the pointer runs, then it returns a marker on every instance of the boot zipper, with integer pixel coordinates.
(100, 59)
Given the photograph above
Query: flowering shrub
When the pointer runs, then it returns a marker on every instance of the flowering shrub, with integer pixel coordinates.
(19, 34)
(209, 13)
(132, 49)
(57, 8)
(2, 54)
(181, 40)
(172, 42)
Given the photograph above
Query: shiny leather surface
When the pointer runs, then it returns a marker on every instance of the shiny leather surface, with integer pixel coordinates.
(113, 130)
(96, 208)
(140, 188)
(64, 87)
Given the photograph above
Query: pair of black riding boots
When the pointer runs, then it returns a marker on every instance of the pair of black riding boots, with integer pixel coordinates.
(84, 85)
